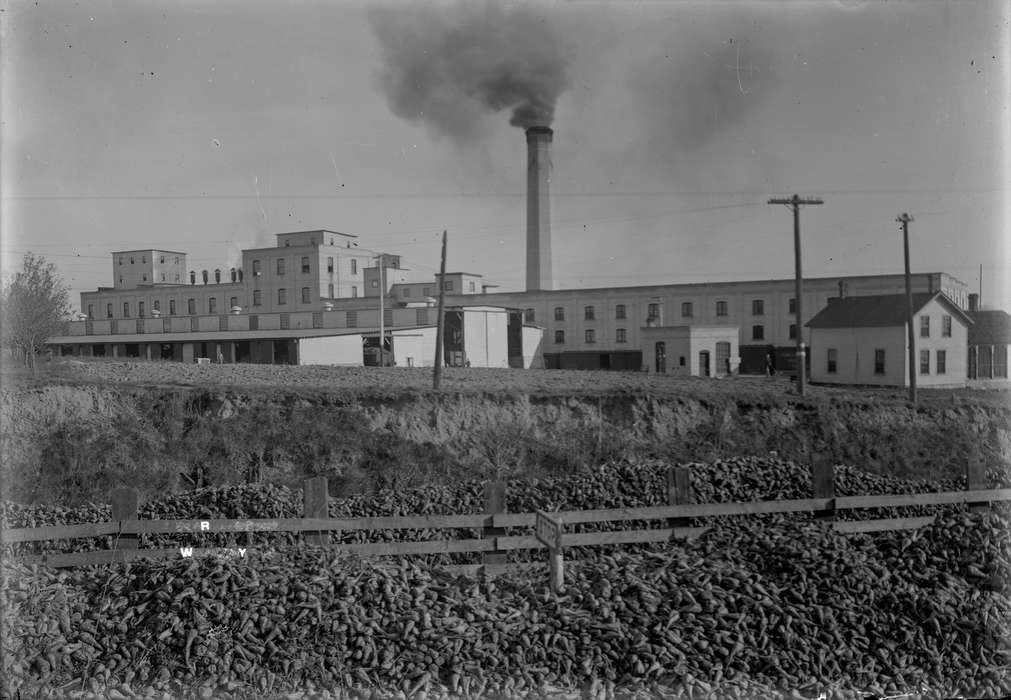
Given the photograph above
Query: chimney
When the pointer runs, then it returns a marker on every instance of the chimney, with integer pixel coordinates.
(974, 302)
(539, 208)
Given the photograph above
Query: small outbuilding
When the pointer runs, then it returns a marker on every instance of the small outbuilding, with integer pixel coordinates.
(989, 341)
(691, 351)
(864, 340)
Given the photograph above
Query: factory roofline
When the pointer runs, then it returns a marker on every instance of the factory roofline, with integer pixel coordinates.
(790, 280)
(316, 230)
(147, 250)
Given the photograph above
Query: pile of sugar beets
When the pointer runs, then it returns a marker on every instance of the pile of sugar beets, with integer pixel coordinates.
(752, 608)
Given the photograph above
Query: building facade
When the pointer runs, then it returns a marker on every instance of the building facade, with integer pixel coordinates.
(864, 340)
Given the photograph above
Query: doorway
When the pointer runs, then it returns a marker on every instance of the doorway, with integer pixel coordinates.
(704, 363)
(661, 357)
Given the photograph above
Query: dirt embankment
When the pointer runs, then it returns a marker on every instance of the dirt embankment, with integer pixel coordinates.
(72, 443)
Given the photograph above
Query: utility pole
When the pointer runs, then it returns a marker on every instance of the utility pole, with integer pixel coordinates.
(795, 203)
(441, 321)
(382, 310)
(904, 219)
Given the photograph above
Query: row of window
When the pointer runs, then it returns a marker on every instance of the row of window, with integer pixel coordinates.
(653, 311)
(940, 362)
(447, 286)
(306, 266)
(590, 336)
(191, 307)
(144, 278)
(925, 326)
(143, 260)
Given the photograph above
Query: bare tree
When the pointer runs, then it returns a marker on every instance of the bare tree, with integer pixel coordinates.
(33, 307)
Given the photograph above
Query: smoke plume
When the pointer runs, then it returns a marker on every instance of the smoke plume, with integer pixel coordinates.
(447, 65)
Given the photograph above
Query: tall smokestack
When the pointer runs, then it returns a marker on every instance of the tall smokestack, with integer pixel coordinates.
(539, 208)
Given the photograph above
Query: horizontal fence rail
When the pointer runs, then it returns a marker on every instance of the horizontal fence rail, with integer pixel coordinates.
(493, 544)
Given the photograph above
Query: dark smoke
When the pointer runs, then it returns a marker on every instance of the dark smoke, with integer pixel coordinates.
(445, 65)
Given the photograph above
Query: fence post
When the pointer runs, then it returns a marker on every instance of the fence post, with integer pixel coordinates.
(125, 502)
(823, 486)
(975, 476)
(315, 499)
(679, 493)
(494, 503)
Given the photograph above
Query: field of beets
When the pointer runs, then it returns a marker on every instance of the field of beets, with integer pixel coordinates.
(755, 607)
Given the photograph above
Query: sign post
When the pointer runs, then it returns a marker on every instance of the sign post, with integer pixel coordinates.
(549, 533)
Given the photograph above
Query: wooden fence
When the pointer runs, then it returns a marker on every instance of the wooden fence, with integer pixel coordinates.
(494, 544)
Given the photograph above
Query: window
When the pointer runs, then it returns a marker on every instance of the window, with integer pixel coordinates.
(121, 280)
(758, 332)
(172, 307)
(924, 361)
(177, 261)
(121, 261)
(942, 362)
(144, 277)
(162, 259)
(131, 260)
(126, 309)
(375, 284)
(233, 301)
(163, 277)
(924, 326)
(471, 287)
(156, 305)
(426, 291)
(108, 310)
(619, 336)
(257, 297)
(448, 286)
(421, 317)
(212, 305)
(686, 309)
(143, 259)
(758, 307)
(833, 359)
(305, 295)
(721, 308)
(588, 313)
(329, 264)
(280, 266)
(653, 311)
(559, 337)
(879, 361)
(256, 268)
(945, 327)
(282, 297)
(352, 319)
(406, 292)
(388, 317)
(619, 311)
(329, 290)
(354, 266)
(91, 311)
(590, 336)
(140, 309)
(191, 307)
(305, 266)
(354, 291)
(177, 278)
(793, 305)
(528, 316)
(559, 313)
(793, 331)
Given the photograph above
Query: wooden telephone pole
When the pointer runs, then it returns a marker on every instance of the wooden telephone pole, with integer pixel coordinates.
(794, 203)
(904, 219)
(441, 321)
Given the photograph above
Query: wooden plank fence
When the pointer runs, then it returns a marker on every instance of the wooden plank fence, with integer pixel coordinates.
(494, 544)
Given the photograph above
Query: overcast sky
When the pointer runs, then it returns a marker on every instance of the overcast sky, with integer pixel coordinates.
(206, 127)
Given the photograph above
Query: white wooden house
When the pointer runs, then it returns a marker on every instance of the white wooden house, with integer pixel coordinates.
(863, 340)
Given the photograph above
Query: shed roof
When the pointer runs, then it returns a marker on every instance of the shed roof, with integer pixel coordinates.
(879, 310)
(990, 327)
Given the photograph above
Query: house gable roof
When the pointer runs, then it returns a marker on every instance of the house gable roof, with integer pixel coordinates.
(880, 310)
(991, 327)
